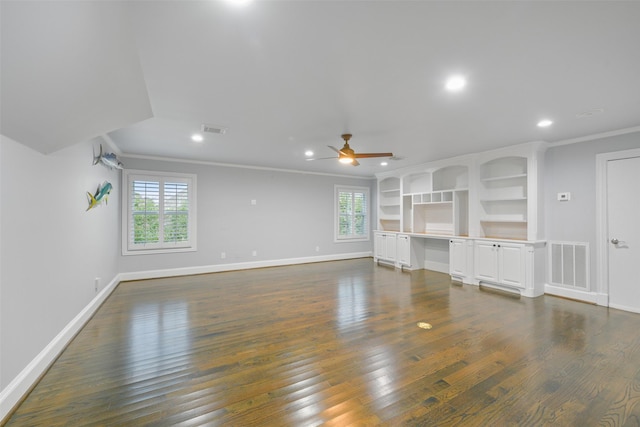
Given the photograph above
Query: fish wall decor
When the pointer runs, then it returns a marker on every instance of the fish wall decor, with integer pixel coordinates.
(110, 160)
(102, 193)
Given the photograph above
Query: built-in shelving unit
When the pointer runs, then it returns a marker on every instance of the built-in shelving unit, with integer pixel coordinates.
(503, 198)
(435, 201)
(389, 204)
(487, 207)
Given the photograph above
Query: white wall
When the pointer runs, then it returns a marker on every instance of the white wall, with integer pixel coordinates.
(293, 215)
(572, 168)
(51, 248)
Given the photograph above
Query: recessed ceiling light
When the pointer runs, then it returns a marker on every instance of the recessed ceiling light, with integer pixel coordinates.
(545, 123)
(455, 83)
(197, 137)
(308, 153)
(239, 2)
(384, 164)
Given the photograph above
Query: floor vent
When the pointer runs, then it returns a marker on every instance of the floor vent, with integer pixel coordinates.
(569, 263)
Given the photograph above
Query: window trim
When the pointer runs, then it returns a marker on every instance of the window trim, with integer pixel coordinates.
(127, 175)
(336, 213)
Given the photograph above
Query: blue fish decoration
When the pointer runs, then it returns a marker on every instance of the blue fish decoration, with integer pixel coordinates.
(109, 160)
(102, 193)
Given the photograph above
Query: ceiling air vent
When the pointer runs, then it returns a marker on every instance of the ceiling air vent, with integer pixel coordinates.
(214, 129)
(590, 113)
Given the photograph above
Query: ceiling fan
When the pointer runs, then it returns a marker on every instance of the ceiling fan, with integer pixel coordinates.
(347, 155)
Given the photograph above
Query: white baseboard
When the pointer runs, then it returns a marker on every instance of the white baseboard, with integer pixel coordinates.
(625, 308)
(16, 390)
(590, 297)
(559, 291)
(217, 268)
(602, 299)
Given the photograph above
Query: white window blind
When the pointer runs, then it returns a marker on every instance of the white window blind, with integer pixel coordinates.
(160, 212)
(352, 213)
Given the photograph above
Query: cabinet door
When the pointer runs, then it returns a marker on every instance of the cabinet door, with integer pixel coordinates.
(486, 261)
(457, 257)
(390, 247)
(380, 245)
(404, 250)
(511, 264)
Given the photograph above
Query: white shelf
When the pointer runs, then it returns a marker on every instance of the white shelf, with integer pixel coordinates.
(446, 202)
(504, 178)
(505, 220)
(505, 199)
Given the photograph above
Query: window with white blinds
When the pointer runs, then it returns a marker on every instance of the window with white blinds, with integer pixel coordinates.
(160, 212)
(352, 213)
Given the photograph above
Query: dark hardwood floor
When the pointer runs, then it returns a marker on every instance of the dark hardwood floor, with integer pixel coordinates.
(337, 343)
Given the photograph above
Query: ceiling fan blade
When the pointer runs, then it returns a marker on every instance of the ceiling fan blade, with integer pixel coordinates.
(336, 150)
(321, 158)
(366, 155)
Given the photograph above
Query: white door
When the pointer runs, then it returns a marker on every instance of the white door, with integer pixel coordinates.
(390, 247)
(486, 261)
(404, 250)
(380, 245)
(511, 264)
(457, 257)
(623, 231)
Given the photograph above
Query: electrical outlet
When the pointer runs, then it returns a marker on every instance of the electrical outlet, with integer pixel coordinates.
(317, 248)
(223, 255)
(254, 202)
(96, 284)
(254, 253)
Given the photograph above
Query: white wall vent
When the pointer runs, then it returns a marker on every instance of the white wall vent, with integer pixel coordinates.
(569, 264)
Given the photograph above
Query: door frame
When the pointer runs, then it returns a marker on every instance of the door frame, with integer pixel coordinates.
(602, 239)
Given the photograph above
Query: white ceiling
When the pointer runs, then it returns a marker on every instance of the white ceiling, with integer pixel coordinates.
(288, 76)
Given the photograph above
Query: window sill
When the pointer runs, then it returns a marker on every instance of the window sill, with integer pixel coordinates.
(128, 252)
(352, 240)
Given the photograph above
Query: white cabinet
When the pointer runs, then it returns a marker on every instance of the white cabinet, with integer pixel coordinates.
(385, 246)
(403, 250)
(394, 248)
(379, 244)
(458, 258)
(487, 205)
(500, 263)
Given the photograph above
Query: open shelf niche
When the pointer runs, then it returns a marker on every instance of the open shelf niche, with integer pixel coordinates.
(436, 201)
(503, 198)
(389, 204)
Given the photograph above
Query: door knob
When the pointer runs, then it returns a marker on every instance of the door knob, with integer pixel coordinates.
(615, 241)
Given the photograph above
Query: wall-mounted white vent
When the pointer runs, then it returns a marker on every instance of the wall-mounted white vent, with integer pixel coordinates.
(214, 129)
(569, 263)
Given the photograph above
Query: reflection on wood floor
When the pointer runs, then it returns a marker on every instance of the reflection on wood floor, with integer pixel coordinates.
(337, 343)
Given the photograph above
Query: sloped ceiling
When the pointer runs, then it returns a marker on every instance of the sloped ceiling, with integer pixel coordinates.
(70, 72)
(288, 76)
